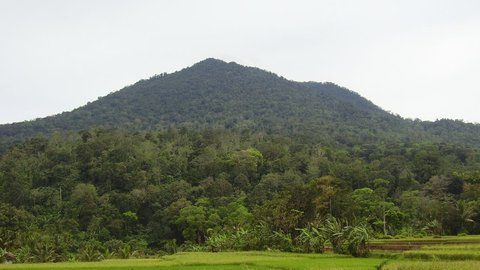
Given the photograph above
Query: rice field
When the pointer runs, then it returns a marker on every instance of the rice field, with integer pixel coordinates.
(416, 243)
(432, 265)
(445, 252)
(222, 260)
(439, 256)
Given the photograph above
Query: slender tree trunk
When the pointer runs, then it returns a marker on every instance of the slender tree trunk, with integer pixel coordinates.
(330, 202)
(384, 222)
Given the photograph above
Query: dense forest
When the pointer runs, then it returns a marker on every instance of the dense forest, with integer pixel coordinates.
(215, 94)
(224, 157)
(101, 191)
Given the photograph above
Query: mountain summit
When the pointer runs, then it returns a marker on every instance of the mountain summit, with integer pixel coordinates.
(217, 94)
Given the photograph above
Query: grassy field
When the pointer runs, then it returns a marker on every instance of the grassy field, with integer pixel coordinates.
(449, 256)
(416, 243)
(438, 257)
(433, 265)
(454, 239)
(223, 260)
(445, 252)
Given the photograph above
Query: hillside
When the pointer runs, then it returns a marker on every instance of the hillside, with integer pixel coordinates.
(252, 161)
(213, 93)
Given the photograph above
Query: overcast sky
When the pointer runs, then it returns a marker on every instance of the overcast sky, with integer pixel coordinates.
(419, 59)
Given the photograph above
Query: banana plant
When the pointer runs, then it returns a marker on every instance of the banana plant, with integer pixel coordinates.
(358, 238)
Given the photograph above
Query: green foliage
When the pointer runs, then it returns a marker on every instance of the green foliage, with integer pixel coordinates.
(215, 94)
(43, 252)
(334, 231)
(90, 254)
(126, 252)
(3, 252)
(171, 246)
(221, 157)
(193, 222)
(184, 189)
(13, 223)
(311, 239)
(220, 261)
(358, 238)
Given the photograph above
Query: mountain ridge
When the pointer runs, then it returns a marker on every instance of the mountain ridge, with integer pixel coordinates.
(216, 94)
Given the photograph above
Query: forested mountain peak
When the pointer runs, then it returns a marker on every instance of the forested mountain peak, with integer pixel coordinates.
(213, 63)
(216, 94)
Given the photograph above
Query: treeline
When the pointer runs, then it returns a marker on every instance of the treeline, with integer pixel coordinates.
(101, 193)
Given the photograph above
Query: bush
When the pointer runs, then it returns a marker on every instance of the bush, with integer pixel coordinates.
(138, 247)
(347, 239)
(170, 246)
(126, 252)
(114, 245)
(282, 241)
(358, 238)
(90, 253)
(311, 239)
(23, 254)
(335, 233)
(219, 242)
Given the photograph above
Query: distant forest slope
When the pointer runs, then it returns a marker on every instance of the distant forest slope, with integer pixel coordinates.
(216, 94)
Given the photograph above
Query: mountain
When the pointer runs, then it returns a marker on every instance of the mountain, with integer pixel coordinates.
(216, 94)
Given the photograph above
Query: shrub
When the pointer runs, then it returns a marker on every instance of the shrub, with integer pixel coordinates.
(358, 238)
(334, 232)
(282, 241)
(126, 252)
(90, 253)
(170, 246)
(311, 239)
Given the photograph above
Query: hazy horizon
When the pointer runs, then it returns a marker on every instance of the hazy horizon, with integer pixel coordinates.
(418, 59)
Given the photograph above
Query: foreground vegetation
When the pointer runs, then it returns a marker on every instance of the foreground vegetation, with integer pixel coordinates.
(446, 252)
(439, 257)
(436, 257)
(435, 265)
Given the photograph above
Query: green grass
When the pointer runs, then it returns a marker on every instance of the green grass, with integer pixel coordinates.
(435, 265)
(435, 257)
(438, 257)
(446, 252)
(223, 260)
(466, 238)
(466, 247)
(382, 245)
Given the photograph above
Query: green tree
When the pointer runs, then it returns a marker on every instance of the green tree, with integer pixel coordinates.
(84, 202)
(193, 222)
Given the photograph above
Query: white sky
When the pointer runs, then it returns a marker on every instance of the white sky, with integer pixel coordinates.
(420, 59)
